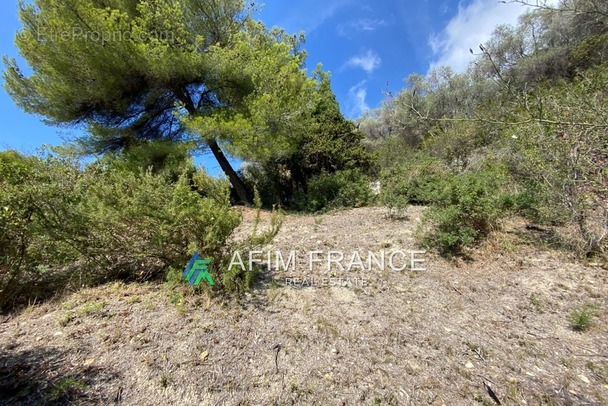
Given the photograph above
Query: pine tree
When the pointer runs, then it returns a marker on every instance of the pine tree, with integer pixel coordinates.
(136, 71)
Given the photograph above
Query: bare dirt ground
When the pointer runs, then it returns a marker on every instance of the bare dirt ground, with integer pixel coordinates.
(493, 328)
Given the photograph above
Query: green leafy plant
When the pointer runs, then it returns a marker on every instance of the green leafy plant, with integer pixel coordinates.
(237, 278)
(561, 163)
(581, 319)
(66, 226)
(348, 188)
(468, 207)
(65, 388)
(416, 181)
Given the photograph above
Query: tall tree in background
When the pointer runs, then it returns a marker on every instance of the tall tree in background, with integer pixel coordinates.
(135, 71)
(323, 142)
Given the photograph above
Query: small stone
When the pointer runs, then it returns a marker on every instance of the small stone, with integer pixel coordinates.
(204, 355)
(469, 365)
(584, 379)
(414, 367)
(58, 334)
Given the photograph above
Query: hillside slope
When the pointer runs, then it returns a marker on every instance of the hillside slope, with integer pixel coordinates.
(501, 319)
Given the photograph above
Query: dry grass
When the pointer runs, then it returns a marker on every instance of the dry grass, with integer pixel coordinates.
(501, 319)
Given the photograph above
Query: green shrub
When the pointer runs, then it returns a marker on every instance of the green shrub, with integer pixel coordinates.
(238, 279)
(468, 207)
(62, 226)
(65, 388)
(163, 157)
(274, 183)
(416, 182)
(348, 188)
(581, 319)
(396, 202)
(561, 162)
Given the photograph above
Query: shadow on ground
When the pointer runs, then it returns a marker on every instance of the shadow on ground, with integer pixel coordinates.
(42, 376)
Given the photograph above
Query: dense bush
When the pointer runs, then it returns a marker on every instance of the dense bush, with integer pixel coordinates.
(324, 156)
(534, 102)
(349, 188)
(167, 158)
(63, 226)
(416, 181)
(561, 159)
(468, 207)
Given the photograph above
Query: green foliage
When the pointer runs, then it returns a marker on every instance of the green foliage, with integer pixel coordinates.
(163, 157)
(546, 44)
(395, 201)
(468, 207)
(560, 162)
(65, 388)
(417, 181)
(332, 143)
(348, 188)
(328, 144)
(109, 61)
(137, 74)
(425, 108)
(591, 52)
(63, 226)
(581, 319)
(239, 279)
(529, 203)
(269, 107)
(534, 103)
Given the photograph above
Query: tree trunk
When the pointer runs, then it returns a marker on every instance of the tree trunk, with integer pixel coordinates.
(234, 178)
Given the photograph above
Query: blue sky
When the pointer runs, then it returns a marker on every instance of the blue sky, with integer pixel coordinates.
(368, 46)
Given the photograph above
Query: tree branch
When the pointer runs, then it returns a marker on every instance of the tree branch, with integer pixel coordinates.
(563, 6)
(500, 122)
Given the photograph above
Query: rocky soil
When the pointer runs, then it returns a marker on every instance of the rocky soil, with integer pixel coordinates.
(495, 328)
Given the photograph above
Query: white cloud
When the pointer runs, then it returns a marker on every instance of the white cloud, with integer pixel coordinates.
(368, 61)
(361, 25)
(356, 103)
(472, 26)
